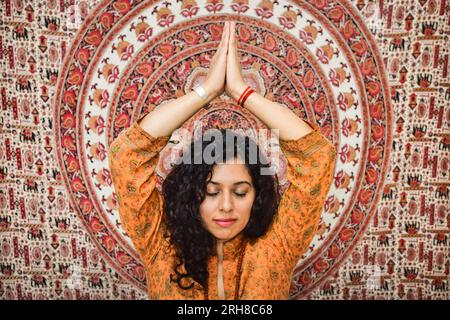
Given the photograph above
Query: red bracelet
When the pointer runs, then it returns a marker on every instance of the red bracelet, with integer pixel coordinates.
(242, 95)
(249, 92)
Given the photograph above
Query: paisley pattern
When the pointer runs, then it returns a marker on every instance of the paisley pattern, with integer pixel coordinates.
(268, 262)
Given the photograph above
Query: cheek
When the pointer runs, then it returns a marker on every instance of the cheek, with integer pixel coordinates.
(245, 209)
(207, 208)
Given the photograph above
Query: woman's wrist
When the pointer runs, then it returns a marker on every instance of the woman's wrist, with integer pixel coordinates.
(238, 90)
(209, 91)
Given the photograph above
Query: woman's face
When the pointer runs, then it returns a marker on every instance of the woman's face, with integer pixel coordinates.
(227, 206)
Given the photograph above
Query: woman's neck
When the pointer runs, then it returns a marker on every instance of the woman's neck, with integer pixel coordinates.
(219, 247)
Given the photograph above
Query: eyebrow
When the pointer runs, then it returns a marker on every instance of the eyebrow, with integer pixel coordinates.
(236, 183)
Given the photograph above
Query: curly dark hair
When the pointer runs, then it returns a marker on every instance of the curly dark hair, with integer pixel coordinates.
(184, 190)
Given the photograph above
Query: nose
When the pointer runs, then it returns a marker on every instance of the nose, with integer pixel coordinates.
(226, 202)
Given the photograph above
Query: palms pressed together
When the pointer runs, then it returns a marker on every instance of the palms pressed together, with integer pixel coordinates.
(225, 70)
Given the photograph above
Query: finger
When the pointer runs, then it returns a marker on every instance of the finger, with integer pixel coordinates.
(225, 26)
(233, 33)
(221, 47)
(224, 33)
(225, 36)
(232, 45)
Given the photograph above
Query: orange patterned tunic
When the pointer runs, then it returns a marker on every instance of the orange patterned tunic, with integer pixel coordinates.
(267, 263)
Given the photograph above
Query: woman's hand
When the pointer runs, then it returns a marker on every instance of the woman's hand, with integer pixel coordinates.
(234, 83)
(215, 81)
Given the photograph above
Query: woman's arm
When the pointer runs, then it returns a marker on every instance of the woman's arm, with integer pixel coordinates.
(166, 118)
(311, 159)
(273, 114)
(134, 154)
(133, 157)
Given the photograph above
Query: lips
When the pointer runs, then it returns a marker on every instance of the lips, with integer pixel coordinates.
(225, 222)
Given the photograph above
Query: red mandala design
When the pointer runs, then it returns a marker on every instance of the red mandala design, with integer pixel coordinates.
(322, 62)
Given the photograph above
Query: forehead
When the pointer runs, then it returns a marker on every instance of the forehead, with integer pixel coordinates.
(230, 172)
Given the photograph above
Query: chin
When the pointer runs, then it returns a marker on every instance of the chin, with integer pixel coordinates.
(224, 235)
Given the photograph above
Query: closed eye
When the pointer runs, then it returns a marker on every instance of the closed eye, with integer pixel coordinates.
(213, 194)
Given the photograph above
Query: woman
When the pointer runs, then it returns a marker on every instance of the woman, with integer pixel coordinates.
(220, 231)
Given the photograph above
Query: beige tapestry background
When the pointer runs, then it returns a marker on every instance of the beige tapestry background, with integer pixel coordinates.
(388, 241)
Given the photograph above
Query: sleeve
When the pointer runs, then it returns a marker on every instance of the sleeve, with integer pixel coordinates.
(311, 161)
(133, 157)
